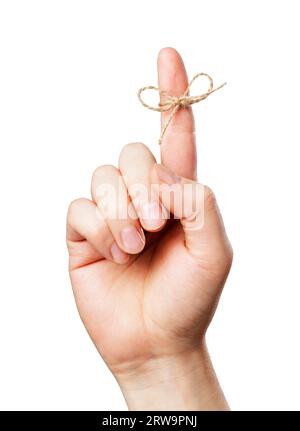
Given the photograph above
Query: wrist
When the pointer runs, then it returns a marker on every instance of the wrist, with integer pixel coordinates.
(184, 381)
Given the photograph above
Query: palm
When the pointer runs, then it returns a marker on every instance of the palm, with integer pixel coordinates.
(135, 310)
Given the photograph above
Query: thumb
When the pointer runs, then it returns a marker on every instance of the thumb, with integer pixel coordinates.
(195, 205)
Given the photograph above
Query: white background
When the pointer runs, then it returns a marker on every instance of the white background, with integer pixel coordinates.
(63, 66)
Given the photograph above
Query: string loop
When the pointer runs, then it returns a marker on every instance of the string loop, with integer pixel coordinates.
(173, 103)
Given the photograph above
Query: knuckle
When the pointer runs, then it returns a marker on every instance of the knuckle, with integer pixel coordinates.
(209, 198)
(230, 255)
(103, 170)
(132, 148)
(227, 260)
(74, 206)
(227, 256)
(104, 182)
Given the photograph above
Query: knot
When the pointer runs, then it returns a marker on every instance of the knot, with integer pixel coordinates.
(173, 103)
(180, 101)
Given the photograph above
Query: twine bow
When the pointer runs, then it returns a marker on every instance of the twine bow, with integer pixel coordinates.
(174, 103)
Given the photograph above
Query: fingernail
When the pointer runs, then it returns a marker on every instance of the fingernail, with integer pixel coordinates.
(166, 176)
(151, 215)
(118, 255)
(133, 239)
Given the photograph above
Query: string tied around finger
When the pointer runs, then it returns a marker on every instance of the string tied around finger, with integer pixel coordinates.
(172, 104)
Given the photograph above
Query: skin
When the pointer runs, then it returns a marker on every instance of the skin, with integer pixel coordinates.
(147, 302)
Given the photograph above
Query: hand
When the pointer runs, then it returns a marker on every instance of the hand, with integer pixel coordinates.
(147, 288)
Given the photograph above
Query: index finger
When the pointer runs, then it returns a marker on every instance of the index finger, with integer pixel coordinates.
(178, 148)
